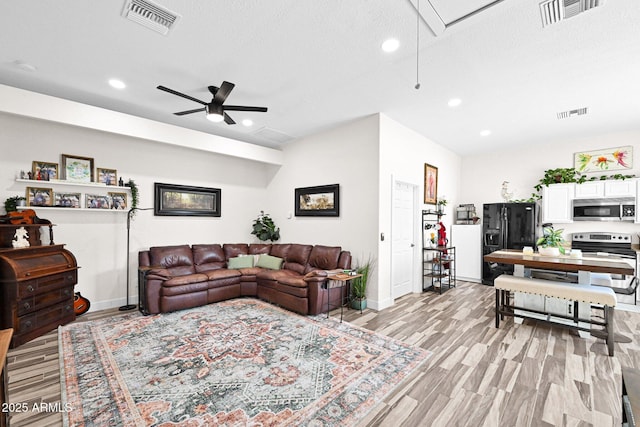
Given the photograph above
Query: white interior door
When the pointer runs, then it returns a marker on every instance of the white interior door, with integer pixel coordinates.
(403, 239)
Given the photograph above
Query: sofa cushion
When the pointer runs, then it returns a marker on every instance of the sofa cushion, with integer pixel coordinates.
(275, 275)
(323, 258)
(295, 281)
(232, 250)
(297, 257)
(188, 288)
(208, 257)
(222, 273)
(259, 248)
(178, 260)
(185, 280)
(280, 250)
(270, 262)
(240, 262)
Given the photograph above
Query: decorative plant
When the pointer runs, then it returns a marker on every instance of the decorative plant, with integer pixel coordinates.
(11, 204)
(612, 177)
(442, 202)
(359, 284)
(552, 239)
(265, 229)
(134, 193)
(560, 175)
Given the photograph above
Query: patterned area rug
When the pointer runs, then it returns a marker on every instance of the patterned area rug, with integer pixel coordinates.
(242, 362)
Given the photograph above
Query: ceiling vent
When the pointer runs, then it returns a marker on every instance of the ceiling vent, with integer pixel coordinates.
(150, 15)
(553, 11)
(572, 113)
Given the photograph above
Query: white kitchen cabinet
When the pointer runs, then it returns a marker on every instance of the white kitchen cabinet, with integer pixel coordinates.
(467, 238)
(620, 188)
(556, 203)
(589, 190)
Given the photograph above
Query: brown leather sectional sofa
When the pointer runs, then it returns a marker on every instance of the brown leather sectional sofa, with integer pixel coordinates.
(178, 277)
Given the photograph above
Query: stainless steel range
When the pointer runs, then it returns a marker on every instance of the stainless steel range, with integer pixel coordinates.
(609, 245)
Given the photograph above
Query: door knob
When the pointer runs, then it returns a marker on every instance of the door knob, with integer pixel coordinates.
(413, 245)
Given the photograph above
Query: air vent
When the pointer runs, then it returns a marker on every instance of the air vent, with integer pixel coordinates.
(150, 15)
(553, 11)
(572, 113)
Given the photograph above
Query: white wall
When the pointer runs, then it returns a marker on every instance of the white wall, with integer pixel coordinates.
(98, 239)
(403, 153)
(482, 175)
(346, 155)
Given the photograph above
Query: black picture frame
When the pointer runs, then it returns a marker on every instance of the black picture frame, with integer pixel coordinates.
(322, 200)
(184, 200)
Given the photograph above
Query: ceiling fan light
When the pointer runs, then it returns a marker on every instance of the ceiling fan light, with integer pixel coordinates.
(214, 113)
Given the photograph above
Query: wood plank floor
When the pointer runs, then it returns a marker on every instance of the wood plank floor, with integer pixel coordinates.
(517, 375)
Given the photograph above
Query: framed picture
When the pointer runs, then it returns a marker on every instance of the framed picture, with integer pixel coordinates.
(77, 168)
(323, 200)
(609, 159)
(182, 200)
(430, 184)
(39, 196)
(107, 176)
(44, 170)
(94, 201)
(118, 201)
(67, 200)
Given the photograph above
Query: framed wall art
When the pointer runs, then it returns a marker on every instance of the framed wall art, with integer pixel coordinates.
(39, 196)
(44, 170)
(77, 168)
(430, 184)
(97, 201)
(107, 176)
(67, 200)
(323, 200)
(609, 159)
(118, 201)
(183, 200)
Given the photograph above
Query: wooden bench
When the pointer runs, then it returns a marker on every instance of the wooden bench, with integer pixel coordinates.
(601, 297)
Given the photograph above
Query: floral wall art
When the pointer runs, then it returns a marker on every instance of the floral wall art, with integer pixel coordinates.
(610, 159)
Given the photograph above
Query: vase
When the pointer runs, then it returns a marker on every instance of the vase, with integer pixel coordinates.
(359, 303)
(549, 251)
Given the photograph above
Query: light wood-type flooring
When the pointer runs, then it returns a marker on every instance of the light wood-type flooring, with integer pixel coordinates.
(517, 375)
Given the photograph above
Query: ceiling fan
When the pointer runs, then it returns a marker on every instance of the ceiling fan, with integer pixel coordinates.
(216, 110)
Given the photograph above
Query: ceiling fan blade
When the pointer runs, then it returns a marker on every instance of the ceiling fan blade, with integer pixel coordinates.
(166, 89)
(244, 108)
(182, 113)
(213, 90)
(228, 120)
(223, 92)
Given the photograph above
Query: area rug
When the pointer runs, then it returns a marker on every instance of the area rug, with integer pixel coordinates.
(242, 362)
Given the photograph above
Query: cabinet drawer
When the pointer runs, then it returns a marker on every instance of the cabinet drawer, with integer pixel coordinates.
(44, 317)
(37, 302)
(46, 284)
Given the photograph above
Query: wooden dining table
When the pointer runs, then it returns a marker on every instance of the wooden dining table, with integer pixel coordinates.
(583, 266)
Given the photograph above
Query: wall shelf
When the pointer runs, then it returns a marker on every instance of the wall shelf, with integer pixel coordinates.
(59, 182)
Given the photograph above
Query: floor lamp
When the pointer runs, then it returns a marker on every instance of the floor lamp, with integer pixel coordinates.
(129, 216)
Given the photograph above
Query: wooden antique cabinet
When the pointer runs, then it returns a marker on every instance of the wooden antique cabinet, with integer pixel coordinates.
(36, 290)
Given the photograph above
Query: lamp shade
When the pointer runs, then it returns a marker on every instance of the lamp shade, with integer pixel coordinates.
(215, 113)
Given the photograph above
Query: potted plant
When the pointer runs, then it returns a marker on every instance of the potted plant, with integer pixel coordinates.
(359, 285)
(551, 242)
(265, 229)
(442, 202)
(12, 203)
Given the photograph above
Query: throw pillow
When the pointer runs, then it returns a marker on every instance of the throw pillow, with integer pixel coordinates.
(270, 262)
(240, 262)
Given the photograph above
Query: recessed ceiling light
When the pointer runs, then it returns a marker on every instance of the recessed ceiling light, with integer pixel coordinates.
(390, 45)
(485, 132)
(247, 122)
(117, 84)
(454, 102)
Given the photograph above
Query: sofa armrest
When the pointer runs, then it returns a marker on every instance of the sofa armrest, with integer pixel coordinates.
(158, 273)
(315, 276)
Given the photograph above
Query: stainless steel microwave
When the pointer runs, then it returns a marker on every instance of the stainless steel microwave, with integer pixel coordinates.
(614, 209)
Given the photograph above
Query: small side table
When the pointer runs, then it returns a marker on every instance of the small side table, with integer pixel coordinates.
(341, 281)
(5, 340)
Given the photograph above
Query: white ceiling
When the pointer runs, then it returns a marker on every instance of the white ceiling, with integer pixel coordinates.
(316, 64)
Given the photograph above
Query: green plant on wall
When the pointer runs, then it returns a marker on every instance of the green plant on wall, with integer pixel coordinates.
(265, 229)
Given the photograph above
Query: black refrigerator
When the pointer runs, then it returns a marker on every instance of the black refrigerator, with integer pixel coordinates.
(506, 226)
